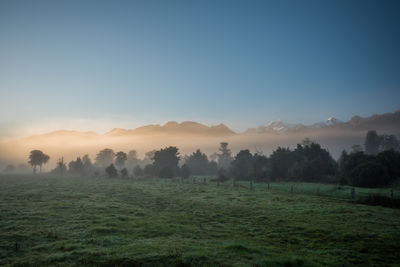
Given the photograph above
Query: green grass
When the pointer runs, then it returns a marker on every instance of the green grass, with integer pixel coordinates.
(101, 221)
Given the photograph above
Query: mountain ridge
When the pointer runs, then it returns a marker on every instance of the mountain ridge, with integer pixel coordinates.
(380, 122)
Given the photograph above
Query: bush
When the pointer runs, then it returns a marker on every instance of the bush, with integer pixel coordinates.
(369, 174)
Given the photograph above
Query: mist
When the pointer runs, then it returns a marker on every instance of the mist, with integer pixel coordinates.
(71, 144)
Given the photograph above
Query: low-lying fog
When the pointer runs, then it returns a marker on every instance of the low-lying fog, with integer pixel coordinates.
(71, 144)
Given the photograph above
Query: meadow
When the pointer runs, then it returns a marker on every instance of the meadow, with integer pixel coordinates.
(75, 221)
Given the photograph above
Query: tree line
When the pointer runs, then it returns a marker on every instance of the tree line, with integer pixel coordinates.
(376, 165)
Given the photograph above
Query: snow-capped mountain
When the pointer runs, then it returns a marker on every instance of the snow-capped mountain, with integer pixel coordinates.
(333, 121)
(276, 127)
(389, 122)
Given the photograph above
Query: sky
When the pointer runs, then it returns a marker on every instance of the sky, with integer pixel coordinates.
(96, 65)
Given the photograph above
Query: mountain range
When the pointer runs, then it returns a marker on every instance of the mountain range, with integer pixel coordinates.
(333, 134)
(384, 122)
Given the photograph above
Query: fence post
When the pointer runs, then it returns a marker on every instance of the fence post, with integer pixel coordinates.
(291, 189)
(317, 190)
(353, 192)
(391, 193)
(251, 185)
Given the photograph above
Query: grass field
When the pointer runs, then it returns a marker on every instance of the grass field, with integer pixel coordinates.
(101, 221)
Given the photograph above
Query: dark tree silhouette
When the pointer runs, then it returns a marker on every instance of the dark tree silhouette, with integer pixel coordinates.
(312, 163)
(212, 168)
(61, 166)
(363, 170)
(124, 173)
(280, 162)
(242, 165)
(260, 167)
(369, 174)
(87, 164)
(185, 172)
(111, 171)
(76, 167)
(166, 162)
(197, 163)
(149, 170)
(120, 159)
(37, 158)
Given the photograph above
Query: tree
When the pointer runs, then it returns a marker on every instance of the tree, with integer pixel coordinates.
(225, 156)
(391, 160)
(61, 166)
(137, 171)
(363, 170)
(120, 159)
(212, 168)
(87, 164)
(372, 143)
(166, 172)
(132, 159)
(37, 158)
(369, 174)
(105, 157)
(311, 163)
(149, 170)
(197, 163)
(166, 162)
(148, 157)
(111, 171)
(280, 161)
(242, 165)
(76, 167)
(124, 173)
(185, 172)
(260, 167)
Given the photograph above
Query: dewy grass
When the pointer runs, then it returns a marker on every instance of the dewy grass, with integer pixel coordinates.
(100, 221)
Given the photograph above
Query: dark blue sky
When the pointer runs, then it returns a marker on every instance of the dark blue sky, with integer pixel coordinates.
(100, 64)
